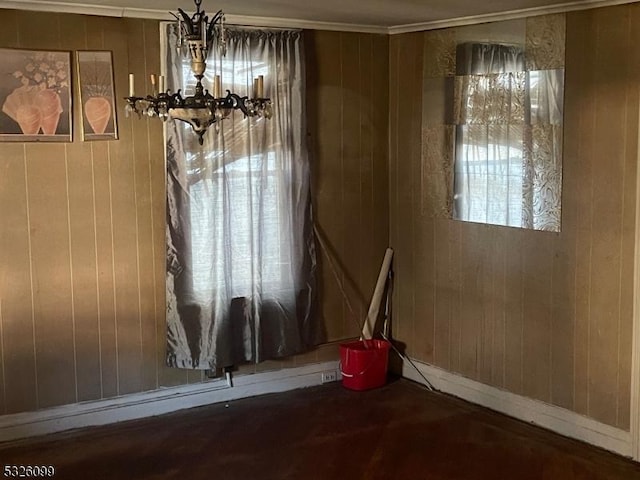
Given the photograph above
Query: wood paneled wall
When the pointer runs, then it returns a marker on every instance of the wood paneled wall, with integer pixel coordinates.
(545, 315)
(82, 238)
(348, 123)
(82, 224)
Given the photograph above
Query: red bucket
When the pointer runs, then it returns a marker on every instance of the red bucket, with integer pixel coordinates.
(364, 366)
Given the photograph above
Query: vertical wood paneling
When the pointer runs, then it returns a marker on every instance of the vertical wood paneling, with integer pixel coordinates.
(18, 347)
(612, 34)
(564, 299)
(84, 272)
(99, 301)
(379, 101)
(514, 323)
(50, 244)
(101, 182)
(38, 30)
(563, 315)
(443, 298)
(565, 306)
(498, 336)
(394, 119)
(125, 236)
(368, 248)
(536, 307)
(484, 320)
(584, 111)
(351, 157)
(423, 232)
(9, 37)
(628, 224)
(487, 329)
(347, 105)
(407, 50)
(154, 331)
(325, 82)
(81, 209)
(82, 225)
(471, 311)
(51, 266)
(143, 132)
(96, 33)
(545, 315)
(455, 307)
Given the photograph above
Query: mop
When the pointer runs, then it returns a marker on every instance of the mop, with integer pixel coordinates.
(385, 278)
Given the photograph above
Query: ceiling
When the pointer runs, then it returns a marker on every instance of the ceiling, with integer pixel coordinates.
(370, 13)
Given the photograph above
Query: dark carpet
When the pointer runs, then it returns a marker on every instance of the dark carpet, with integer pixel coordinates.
(400, 431)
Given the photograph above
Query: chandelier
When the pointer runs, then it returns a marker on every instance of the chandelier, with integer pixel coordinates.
(203, 109)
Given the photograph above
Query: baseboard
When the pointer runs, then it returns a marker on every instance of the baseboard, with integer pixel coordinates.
(559, 420)
(158, 402)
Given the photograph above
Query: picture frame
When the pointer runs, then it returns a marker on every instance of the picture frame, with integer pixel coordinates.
(35, 95)
(97, 95)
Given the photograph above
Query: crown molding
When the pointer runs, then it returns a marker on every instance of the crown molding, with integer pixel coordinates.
(278, 22)
(508, 15)
(152, 14)
(62, 7)
(254, 21)
(304, 24)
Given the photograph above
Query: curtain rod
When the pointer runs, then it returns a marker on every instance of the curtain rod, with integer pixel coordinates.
(256, 27)
(252, 27)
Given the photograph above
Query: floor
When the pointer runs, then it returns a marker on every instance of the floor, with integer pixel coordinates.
(400, 431)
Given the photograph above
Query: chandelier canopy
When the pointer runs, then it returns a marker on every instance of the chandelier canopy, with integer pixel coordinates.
(198, 34)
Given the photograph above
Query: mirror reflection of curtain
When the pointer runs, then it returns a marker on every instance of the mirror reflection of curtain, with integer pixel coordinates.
(508, 157)
(241, 258)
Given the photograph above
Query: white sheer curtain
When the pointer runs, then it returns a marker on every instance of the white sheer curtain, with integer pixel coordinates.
(508, 156)
(241, 267)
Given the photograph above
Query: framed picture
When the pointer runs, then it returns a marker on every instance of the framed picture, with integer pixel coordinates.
(35, 98)
(95, 79)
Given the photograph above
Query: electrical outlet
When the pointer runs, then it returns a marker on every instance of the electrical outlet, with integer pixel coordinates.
(330, 376)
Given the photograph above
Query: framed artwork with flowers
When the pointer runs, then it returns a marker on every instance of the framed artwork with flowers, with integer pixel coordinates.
(35, 95)
(95, 80)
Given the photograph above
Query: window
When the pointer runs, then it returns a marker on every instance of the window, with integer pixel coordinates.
(507, 167)
(226, 176)
(246, 185)
(488, 180)
(241, 268)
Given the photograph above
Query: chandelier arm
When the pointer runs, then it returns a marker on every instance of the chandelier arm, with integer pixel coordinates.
(186, 22)
(212, 26)
(200, 110)
(240, 103)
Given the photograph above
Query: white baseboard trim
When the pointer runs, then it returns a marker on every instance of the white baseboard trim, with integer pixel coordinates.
(559, 420)
(158, 402)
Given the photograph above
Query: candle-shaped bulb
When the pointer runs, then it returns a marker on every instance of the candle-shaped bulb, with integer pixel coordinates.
(203, 27)
(131, 85)
(217, 86)
(161, 83)
(260, 89)
(223, 40)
